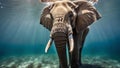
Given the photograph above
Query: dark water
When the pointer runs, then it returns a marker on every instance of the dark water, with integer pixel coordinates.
(21, 33)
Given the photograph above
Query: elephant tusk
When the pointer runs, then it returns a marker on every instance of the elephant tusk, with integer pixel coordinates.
(48, 45)
(71, 42)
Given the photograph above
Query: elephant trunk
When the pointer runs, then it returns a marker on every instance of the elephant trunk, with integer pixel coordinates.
(60, 40)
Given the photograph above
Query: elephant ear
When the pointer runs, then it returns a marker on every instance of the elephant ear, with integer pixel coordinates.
(86, 15)
(46, 18)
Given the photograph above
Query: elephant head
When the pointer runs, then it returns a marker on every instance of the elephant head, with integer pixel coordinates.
(67, 22)
(60, 13)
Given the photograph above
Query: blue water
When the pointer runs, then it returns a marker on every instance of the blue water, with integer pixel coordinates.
(21, 33)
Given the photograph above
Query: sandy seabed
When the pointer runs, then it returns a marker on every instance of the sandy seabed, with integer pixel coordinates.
(51, 61)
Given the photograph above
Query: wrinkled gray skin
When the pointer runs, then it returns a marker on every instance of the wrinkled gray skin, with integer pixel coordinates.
(63, 13)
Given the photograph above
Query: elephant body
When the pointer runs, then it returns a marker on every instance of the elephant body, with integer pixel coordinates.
(68, 22)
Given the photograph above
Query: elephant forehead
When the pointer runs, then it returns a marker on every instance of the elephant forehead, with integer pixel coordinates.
(60, 8)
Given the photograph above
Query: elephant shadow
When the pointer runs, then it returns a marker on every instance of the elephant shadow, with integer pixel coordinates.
(91, 66)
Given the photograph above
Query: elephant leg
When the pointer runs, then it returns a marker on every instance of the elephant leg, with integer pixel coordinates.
(75, 55)
(60, 40)
(79, 39)
(84, 34)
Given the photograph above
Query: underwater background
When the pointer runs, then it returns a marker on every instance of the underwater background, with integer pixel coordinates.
(23, 38)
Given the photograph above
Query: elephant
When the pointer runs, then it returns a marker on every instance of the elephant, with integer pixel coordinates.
(68, 23)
